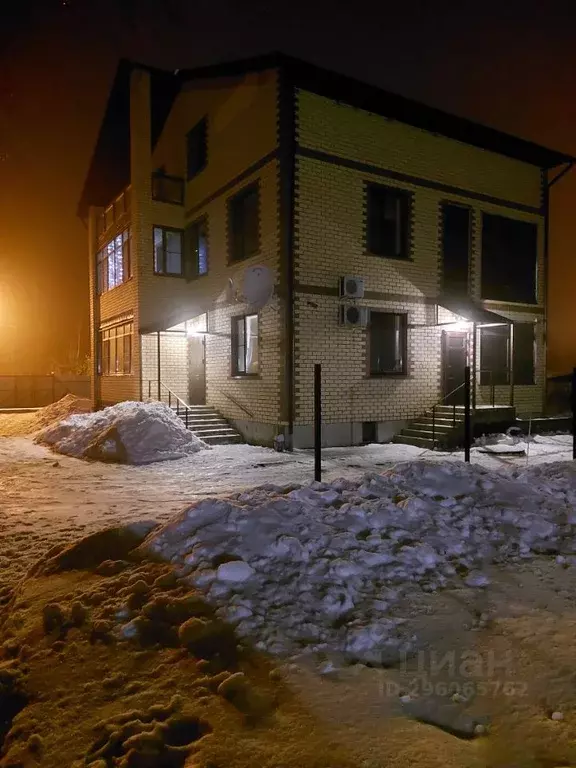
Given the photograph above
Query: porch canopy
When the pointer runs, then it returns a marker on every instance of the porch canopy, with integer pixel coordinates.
(469, 310)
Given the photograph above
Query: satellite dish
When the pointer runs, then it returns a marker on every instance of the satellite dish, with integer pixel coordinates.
(258, 286)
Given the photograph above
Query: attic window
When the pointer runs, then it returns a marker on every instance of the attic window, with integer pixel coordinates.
(196, 149)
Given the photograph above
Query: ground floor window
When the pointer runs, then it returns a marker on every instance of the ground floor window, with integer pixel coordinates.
(524, 348)
(494, 355)
(245, 345)
(387, 342)
(115, 350)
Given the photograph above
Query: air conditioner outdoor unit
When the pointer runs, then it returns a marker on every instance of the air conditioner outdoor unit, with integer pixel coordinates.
(351, 287)
(352, 315)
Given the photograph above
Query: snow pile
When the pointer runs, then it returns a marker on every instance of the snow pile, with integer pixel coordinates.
(62, 409)
(329, 567)
(129, 432)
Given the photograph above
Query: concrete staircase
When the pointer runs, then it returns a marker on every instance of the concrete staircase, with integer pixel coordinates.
(445, 430)
(207, 424)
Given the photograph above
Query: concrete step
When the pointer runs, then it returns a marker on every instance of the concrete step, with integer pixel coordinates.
(412, 431)
(224, 439)
(419, 442)
(428, 424)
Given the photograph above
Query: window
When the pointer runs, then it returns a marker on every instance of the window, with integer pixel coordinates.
(167, 189)
(115, 347)
(196, 149)
(509, 259)
(387, 343)
(167, 251)
(456, 223)
(243, 224)
(245, 345)
(197, 248)
(388, 221)
(113, 263)
(494, 355)
(524, 341)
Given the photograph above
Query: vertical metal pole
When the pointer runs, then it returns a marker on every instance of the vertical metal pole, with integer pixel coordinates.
(433, 426)
(511, 363)
(467, 421)
(317, 422)
(158, 367)
(474, 365)
(149, 389)
(574, 413)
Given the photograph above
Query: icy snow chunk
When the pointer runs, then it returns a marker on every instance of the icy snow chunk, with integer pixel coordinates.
(234, 572)
(476, 579)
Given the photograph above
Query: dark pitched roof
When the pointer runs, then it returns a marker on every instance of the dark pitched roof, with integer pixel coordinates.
(109, 169)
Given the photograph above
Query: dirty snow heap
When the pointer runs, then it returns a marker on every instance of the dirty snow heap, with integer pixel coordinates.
(330, 567)
(129, 432)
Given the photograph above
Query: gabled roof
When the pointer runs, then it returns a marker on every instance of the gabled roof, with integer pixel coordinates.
(109, 170)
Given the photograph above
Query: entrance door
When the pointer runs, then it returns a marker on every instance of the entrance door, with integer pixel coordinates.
(454, 358)
(197, 370)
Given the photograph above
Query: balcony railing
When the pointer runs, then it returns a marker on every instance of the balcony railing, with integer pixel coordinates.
(167, 189)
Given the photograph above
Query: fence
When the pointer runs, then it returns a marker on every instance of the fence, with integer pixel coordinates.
(36, 391)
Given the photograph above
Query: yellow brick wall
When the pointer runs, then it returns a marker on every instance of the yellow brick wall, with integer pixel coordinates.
(330, 243)
(352, 133)
(242, 128)
(173, 365)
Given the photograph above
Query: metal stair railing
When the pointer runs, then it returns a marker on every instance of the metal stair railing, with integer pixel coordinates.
(181, 406)
(439, 404)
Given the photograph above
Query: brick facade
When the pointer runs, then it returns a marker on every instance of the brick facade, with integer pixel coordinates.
(339, 150)
(331, 243)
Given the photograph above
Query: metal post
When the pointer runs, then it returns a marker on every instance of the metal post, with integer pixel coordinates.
(467, 421)
(433, 426)
(474, 365)
(492, 389)
(574, 413)
(317, 422)
(149, 389)
(158, 367)
(511, 364)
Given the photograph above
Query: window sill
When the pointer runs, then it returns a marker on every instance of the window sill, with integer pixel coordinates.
(168, 202)
(407, 259)
(231, 262)
(242, 376)
(169, 274)
(385, 376)
(105, 293)
(115, 375)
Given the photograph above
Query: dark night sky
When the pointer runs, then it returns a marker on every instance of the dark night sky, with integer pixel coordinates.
(510, 64)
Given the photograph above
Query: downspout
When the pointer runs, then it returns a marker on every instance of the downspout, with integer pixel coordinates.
(546, 185)
(287, 173)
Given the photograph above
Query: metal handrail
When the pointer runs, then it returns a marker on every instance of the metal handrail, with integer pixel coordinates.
(491, 385)
(439, 403)
(171, 394)
(237, 403)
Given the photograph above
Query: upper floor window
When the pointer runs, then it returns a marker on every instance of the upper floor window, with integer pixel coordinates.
(196, 149)
(456, 221)
(114, 214)
(167, 189)
(509, 259)
(245, 345)
(387, 342)
(115, 350)
(388, 211)
(113, 262)
(243, 223)
(197, 247)
(167, 251)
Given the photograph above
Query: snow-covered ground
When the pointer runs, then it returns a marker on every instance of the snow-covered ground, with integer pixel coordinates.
(46, 499)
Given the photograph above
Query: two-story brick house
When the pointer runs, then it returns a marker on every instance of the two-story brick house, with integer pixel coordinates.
(199, 175)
